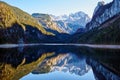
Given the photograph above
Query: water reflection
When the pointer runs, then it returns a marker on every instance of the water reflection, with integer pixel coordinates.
(43, 62)
(64, 62)
(15, 64)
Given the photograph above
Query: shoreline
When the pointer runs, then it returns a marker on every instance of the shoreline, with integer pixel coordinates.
(62, 44)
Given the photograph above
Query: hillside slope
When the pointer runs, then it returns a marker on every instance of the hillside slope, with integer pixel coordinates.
(16, 26)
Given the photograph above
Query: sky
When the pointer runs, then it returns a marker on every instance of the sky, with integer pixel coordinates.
(56, 7)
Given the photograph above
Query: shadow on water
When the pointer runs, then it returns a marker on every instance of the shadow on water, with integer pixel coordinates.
(18, 62)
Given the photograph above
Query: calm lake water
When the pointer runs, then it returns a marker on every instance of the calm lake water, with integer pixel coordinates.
(52, 62)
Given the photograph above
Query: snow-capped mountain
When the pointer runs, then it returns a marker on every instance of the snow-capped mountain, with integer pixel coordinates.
(71, 23)
(103, 12)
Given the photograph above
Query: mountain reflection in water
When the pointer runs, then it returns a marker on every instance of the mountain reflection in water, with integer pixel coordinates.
(51, 62)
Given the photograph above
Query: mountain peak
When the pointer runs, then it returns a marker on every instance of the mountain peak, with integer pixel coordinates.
(78, 13)
(100, 3)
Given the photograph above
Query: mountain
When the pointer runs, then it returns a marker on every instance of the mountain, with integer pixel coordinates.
(47, 22)
(104, 28)
(106, 33)
(17, 26)
(103, 12)
(71, 23)
(65, 63)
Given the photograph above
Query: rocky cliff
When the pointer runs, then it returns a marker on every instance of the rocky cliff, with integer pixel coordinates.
(103, 12)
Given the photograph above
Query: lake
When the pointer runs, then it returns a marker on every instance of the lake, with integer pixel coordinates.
(59, 62)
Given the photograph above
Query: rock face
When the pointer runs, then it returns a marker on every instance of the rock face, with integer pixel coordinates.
(103, 12)
(102, 3)
(17, 26)
(71, 23)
